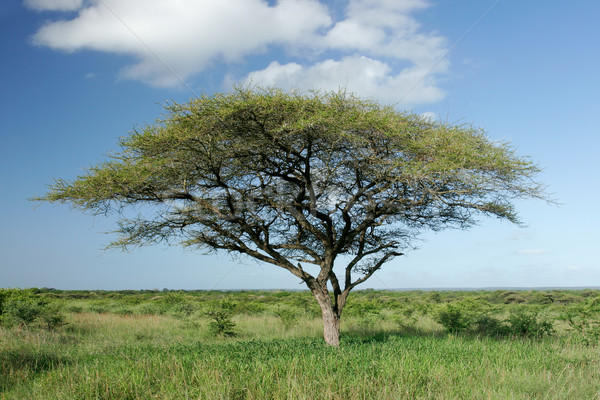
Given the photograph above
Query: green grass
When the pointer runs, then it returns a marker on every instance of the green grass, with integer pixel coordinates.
(167, 356)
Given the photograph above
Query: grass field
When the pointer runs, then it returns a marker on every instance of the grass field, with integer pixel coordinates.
(148, 345)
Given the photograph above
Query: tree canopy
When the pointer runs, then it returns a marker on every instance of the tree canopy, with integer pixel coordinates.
(293, 178)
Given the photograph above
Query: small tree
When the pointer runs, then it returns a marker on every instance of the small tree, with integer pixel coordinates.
(293, 179)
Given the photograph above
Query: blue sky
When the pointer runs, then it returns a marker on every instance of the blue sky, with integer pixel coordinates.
(78, 74)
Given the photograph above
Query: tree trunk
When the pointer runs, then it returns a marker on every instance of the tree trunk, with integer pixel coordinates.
(331, 328)
(331, 318)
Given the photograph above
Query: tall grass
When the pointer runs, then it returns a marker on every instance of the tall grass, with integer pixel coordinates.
(170, 356)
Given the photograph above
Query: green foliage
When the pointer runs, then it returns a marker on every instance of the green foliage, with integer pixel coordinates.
(435, 297)
(101, 308)
(511, 297)
(490, 325)
(452, 317)
(460, 315)
(584, 318)
(74, 308)
(289, 316)
(25, 308)
(51, 316)
(406, 316)
(20, 310)
(542, 298)
(220, 321)
(250, 308)
(183, 309)
(363, 308)
(365, 311)
(4, 295)
(505, 352)
(123, 310)
(256, 172)
(471, 314)
(526, 322)
(108, 356)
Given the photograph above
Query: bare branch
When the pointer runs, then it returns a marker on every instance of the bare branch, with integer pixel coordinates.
(290, 177)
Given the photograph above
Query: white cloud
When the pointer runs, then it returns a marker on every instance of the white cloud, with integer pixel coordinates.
(376, 49)
(53, 5)
(430, 115)
(519, 235)
(386, 58)
(386, 28)
(186, 35)
(533, 252)
(369, 77)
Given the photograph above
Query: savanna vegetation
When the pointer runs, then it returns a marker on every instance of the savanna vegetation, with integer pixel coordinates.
(301, 180)
(266, 345)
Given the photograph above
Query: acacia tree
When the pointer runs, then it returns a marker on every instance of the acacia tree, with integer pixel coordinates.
(294, 179)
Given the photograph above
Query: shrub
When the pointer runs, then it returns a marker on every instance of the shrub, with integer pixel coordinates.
(182, 310)
(220, 323)
(435, 297)
(524, 322)
(365, 311)
(461, 315)
(51, 316)
(542, 298)
(452, 317)
(307, 304)
(512, 298)
(289, 316)
(123, 311)
(406, 316)
(24, 308)
(491, 326)
(590, 293)
(20, 310)
(250, 308)
(585, 320)
(149, 309)
(4, 295)
(3, 298)
(74, 308)
(99, 309)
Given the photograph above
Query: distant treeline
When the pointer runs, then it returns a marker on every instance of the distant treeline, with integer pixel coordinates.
(499, 296)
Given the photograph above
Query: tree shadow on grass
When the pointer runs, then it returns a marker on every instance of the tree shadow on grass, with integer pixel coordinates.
(19, 365)
(365, 336)
(361, 335)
